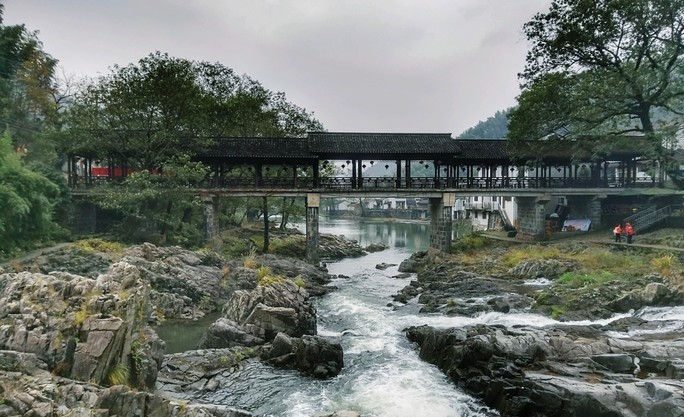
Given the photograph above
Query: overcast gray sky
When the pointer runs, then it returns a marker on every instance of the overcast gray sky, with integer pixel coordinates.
(359, 65)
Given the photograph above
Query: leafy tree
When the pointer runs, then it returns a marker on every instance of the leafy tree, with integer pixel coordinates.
(147, 114)
(27, 91)
(495, 127)
(601, 67)
(140, 114)
(158, 205)
(27, 199)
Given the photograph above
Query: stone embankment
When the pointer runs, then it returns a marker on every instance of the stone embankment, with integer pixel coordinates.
(629, 367)
(75, 335)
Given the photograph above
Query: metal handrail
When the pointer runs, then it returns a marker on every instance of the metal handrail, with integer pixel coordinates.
(648, 217)
(371, 183)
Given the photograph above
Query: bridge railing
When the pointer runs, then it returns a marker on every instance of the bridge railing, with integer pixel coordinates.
(380, 183)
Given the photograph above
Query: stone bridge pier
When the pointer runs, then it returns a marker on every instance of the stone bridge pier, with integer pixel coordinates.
(211, 215)
(531, 216)
(313, 203)
(532, 212)
(589, 207)
(441, 222)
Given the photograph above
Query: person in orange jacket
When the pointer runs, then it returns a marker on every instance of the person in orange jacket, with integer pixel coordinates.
(617, 231)
(629, 230)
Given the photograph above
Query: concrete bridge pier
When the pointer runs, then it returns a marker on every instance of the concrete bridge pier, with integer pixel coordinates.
(441, 210)
(211, 215)
(313, 203)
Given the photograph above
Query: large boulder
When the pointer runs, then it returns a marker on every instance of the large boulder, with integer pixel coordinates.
(82, 327)
(415, 263)
(653, 294)
(541, 268)
(564, 371)
(184, 284)
(224, 333)
(27, 388)
(312, 355)
(259, 315)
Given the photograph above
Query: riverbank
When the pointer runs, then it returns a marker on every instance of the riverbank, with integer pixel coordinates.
(79, 317)
(500, 339)
(612, 345)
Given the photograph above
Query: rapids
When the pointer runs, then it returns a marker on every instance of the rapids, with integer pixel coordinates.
(383, 375)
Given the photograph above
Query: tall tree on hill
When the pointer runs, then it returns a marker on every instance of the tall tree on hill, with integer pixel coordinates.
(601, 67)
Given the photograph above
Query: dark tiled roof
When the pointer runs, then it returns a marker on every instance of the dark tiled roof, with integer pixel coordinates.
(504, 150)
(551, 150)
(483, 149)
(329, 145)
(351, 143)
(280, 148)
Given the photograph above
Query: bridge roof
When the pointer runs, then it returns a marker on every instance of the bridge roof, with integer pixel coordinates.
(390, 145)
(261, 148)
(484, 149)
(415, 146)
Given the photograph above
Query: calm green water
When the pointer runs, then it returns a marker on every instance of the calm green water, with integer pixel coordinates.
(411, 236)
(181, 335)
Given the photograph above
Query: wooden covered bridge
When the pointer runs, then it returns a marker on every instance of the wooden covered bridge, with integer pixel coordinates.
(427, 165)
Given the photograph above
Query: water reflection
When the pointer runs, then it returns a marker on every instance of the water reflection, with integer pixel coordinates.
(413, 236)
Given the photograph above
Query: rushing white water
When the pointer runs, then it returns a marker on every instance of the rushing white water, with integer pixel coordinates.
(383, 375)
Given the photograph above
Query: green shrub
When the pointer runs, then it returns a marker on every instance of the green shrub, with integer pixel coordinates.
(118, 374)
(287, 244)
(262, 271)
(663, 264)
(582, 279)
(470, 242)
(271, 279)
(99, 245)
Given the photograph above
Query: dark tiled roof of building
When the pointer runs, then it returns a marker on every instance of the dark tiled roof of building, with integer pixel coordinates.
(280, 148)
(352, 143)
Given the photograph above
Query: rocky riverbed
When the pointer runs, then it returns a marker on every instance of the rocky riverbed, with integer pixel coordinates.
(629, 366)
(77, 327)
(77, 335)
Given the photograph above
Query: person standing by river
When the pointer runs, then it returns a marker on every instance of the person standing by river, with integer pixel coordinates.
(629, 230)
(617, 231)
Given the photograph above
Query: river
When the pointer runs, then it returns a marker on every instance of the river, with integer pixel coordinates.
(382, 375)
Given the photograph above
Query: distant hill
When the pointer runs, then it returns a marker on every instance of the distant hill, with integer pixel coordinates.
(495, 127)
